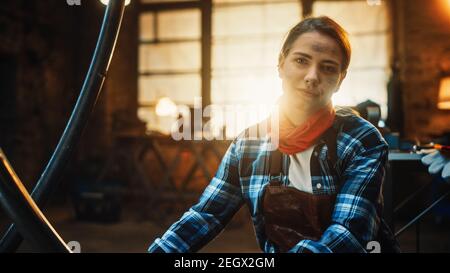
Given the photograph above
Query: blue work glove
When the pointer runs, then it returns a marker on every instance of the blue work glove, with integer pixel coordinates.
(438, 162)
(446, 171)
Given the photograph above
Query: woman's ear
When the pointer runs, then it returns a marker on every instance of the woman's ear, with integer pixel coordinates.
(343, 74)
(280, 70)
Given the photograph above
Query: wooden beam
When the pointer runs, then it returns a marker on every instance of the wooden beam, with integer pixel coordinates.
(169, 5)
(206, 51)
(307, 7)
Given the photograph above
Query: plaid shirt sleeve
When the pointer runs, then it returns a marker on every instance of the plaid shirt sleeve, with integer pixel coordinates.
(357, 212)
(221, 199)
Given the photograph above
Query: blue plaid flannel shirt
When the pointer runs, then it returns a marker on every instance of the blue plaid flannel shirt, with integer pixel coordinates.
(357, 177)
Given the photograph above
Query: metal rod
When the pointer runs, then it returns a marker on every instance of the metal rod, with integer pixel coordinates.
(423, 213)
(90, 91)
(411, 197)
(20, 207)
(418, 236)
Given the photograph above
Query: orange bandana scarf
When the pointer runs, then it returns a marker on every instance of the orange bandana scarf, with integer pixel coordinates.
(294, 139)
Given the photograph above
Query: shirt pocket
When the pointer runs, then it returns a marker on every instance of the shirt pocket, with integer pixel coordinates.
(327, 181)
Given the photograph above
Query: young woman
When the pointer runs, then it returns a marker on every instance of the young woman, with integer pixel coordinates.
(321, 191)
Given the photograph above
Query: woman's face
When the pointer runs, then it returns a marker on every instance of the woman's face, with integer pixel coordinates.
(311, 72)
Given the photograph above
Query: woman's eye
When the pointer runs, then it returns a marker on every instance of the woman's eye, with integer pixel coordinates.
(330, 69)
(301, 60)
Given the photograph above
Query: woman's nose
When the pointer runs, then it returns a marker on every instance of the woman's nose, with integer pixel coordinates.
(312, 78)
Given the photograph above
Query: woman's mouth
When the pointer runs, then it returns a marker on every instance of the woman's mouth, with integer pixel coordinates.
(310, 93)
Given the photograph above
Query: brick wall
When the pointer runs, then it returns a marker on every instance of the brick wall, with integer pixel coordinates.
(423, 37)
(37, 39)
(52, 45)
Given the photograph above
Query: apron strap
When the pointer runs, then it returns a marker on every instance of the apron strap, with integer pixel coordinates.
(276, 165)
(275, 159)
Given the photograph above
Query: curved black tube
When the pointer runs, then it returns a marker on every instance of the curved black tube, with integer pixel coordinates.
(20, 207)
(90, 91)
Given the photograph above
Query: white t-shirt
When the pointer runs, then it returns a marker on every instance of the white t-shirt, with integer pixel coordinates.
(300, 171)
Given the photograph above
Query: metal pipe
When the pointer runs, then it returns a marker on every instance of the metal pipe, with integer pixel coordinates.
(21, 208)
(90, 91)
(411, 197)
(422, 214)
(418, 236)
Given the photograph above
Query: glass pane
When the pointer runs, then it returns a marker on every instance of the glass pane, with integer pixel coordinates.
(362, 18)
(245, 52)
(246, 88)
(259, 2)
(267, 18)
(172, 56)
(256, 54)
(146, 26)
(179, 24)
(361, 85)
(180, 88)
(369, 50)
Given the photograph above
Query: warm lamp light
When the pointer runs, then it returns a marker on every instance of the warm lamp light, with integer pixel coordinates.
(166, 107)
(444, 93)
(105, 2)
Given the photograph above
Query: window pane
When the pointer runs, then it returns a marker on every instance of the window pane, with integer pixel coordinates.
(362, 18)
(369, 51)
(179, 24)
(179, 51)
(246, 88)
(361, 85)
(254, 54)
(146, 26)
(254, 1)
(245, 52)
(267, 18)
(172, 56)
(180, 88)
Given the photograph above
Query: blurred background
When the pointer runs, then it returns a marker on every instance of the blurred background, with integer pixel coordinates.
(128, 179)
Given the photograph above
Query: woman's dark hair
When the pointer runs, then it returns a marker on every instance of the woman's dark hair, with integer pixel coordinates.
(324, 25)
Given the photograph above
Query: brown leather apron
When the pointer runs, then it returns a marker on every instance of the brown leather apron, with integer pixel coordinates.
(292, 215)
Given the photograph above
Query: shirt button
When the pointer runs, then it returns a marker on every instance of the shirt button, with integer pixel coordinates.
(319, 185)
(316, 154)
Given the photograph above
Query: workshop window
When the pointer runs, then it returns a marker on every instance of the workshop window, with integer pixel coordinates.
(246, 38)
(169, 63)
